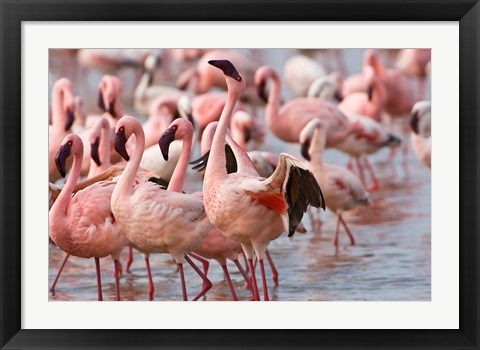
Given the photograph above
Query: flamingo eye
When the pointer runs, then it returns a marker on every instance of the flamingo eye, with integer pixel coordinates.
(239, 78)
(174, 127)
(121, 129)
(70, 143)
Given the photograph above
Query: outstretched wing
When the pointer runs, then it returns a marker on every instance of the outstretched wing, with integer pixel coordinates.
(200, 164)
(299, 188)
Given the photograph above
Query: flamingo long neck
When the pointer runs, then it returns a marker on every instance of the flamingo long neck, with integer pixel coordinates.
(178, 176)
(105, 145)
(217, 160)
(273, 105)
(58, 113)
(126, 181)
(59, 208)
(317, 146)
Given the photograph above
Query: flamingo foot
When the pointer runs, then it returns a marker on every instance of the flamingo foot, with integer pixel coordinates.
(52, 288)
(207, 284)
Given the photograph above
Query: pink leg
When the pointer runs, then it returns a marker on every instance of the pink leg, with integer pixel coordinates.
(374, 179)
(182, 280)
(335, 239)
(360, 172)
(204, 262)
(52, 288)
(99, 280)
(273, 268)
(393, 152)
(229, 281)
(117, 283)
(350, 236)
(207, 284)
(254, 280)
(264, 281)
(243, 273)
(129, 261)
(150, 281)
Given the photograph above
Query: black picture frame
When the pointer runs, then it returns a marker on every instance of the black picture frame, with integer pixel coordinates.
(13, 12)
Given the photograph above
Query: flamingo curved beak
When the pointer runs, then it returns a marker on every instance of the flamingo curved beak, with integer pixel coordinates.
(227, 67)
(414, 122)
(70, 119)
(100, 102)
(370, 92)
(165, 140)
(120, 142)
(94, 151)
(61, 158)
(305, 148)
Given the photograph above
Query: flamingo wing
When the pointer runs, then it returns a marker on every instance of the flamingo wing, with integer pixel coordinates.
(200, 164)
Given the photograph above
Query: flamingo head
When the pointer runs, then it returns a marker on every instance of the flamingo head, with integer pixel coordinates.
(235, 82)
(421, 118)
(71, 144)
(109, 92)
(125, 127)
(314, 132)
(178, 129)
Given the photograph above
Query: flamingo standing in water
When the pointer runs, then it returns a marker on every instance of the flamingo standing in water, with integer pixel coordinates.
(155, 219)
(341, 188)
(83, 225)
(287, 122)
(246, 207)
(63, 109)
(421, 138)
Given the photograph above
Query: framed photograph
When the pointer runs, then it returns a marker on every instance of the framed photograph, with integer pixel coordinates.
(417, 288)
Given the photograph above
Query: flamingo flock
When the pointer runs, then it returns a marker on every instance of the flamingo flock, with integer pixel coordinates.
(130, 163)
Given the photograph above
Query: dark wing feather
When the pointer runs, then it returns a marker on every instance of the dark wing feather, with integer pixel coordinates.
(159, 181)
(200, 164)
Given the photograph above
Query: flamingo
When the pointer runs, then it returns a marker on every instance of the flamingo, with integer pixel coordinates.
(342, 189)
(414, 62)
(287, 122)
(63, 109)
(83, 225)
(246, 207)
(421, 138)
(300, 72)
(327, 88)
(155, 219)
(111, 60)
(145, 92)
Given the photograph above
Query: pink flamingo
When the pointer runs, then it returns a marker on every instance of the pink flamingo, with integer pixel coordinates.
(327, 88)
(246, 207)
(341, 188)
(300, 72)
(83, 225)
(421, 138)
(370, 103)
(414, 62)
(374, 137)
(63, 109)
(156, 220)
(287, 122)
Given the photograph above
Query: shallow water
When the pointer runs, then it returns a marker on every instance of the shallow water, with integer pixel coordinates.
(390, 260)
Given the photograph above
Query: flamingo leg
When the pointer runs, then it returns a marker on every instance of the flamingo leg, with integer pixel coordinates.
(129, 261)
(150, 281)
(264, 281)
(248, 282)
(229, 281)
(204, 262)
(207, 284)
(360, 172)
(52, 288)
(350, 165)
(273, 268)
(254, 280)
(117, 283)
(335, 239)
(374, 179)
(182, 281)
(99, 279)
(350, 236)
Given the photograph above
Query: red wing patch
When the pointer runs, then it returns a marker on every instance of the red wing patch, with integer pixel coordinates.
(369, 137)
(340, 184)
(274, 201)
